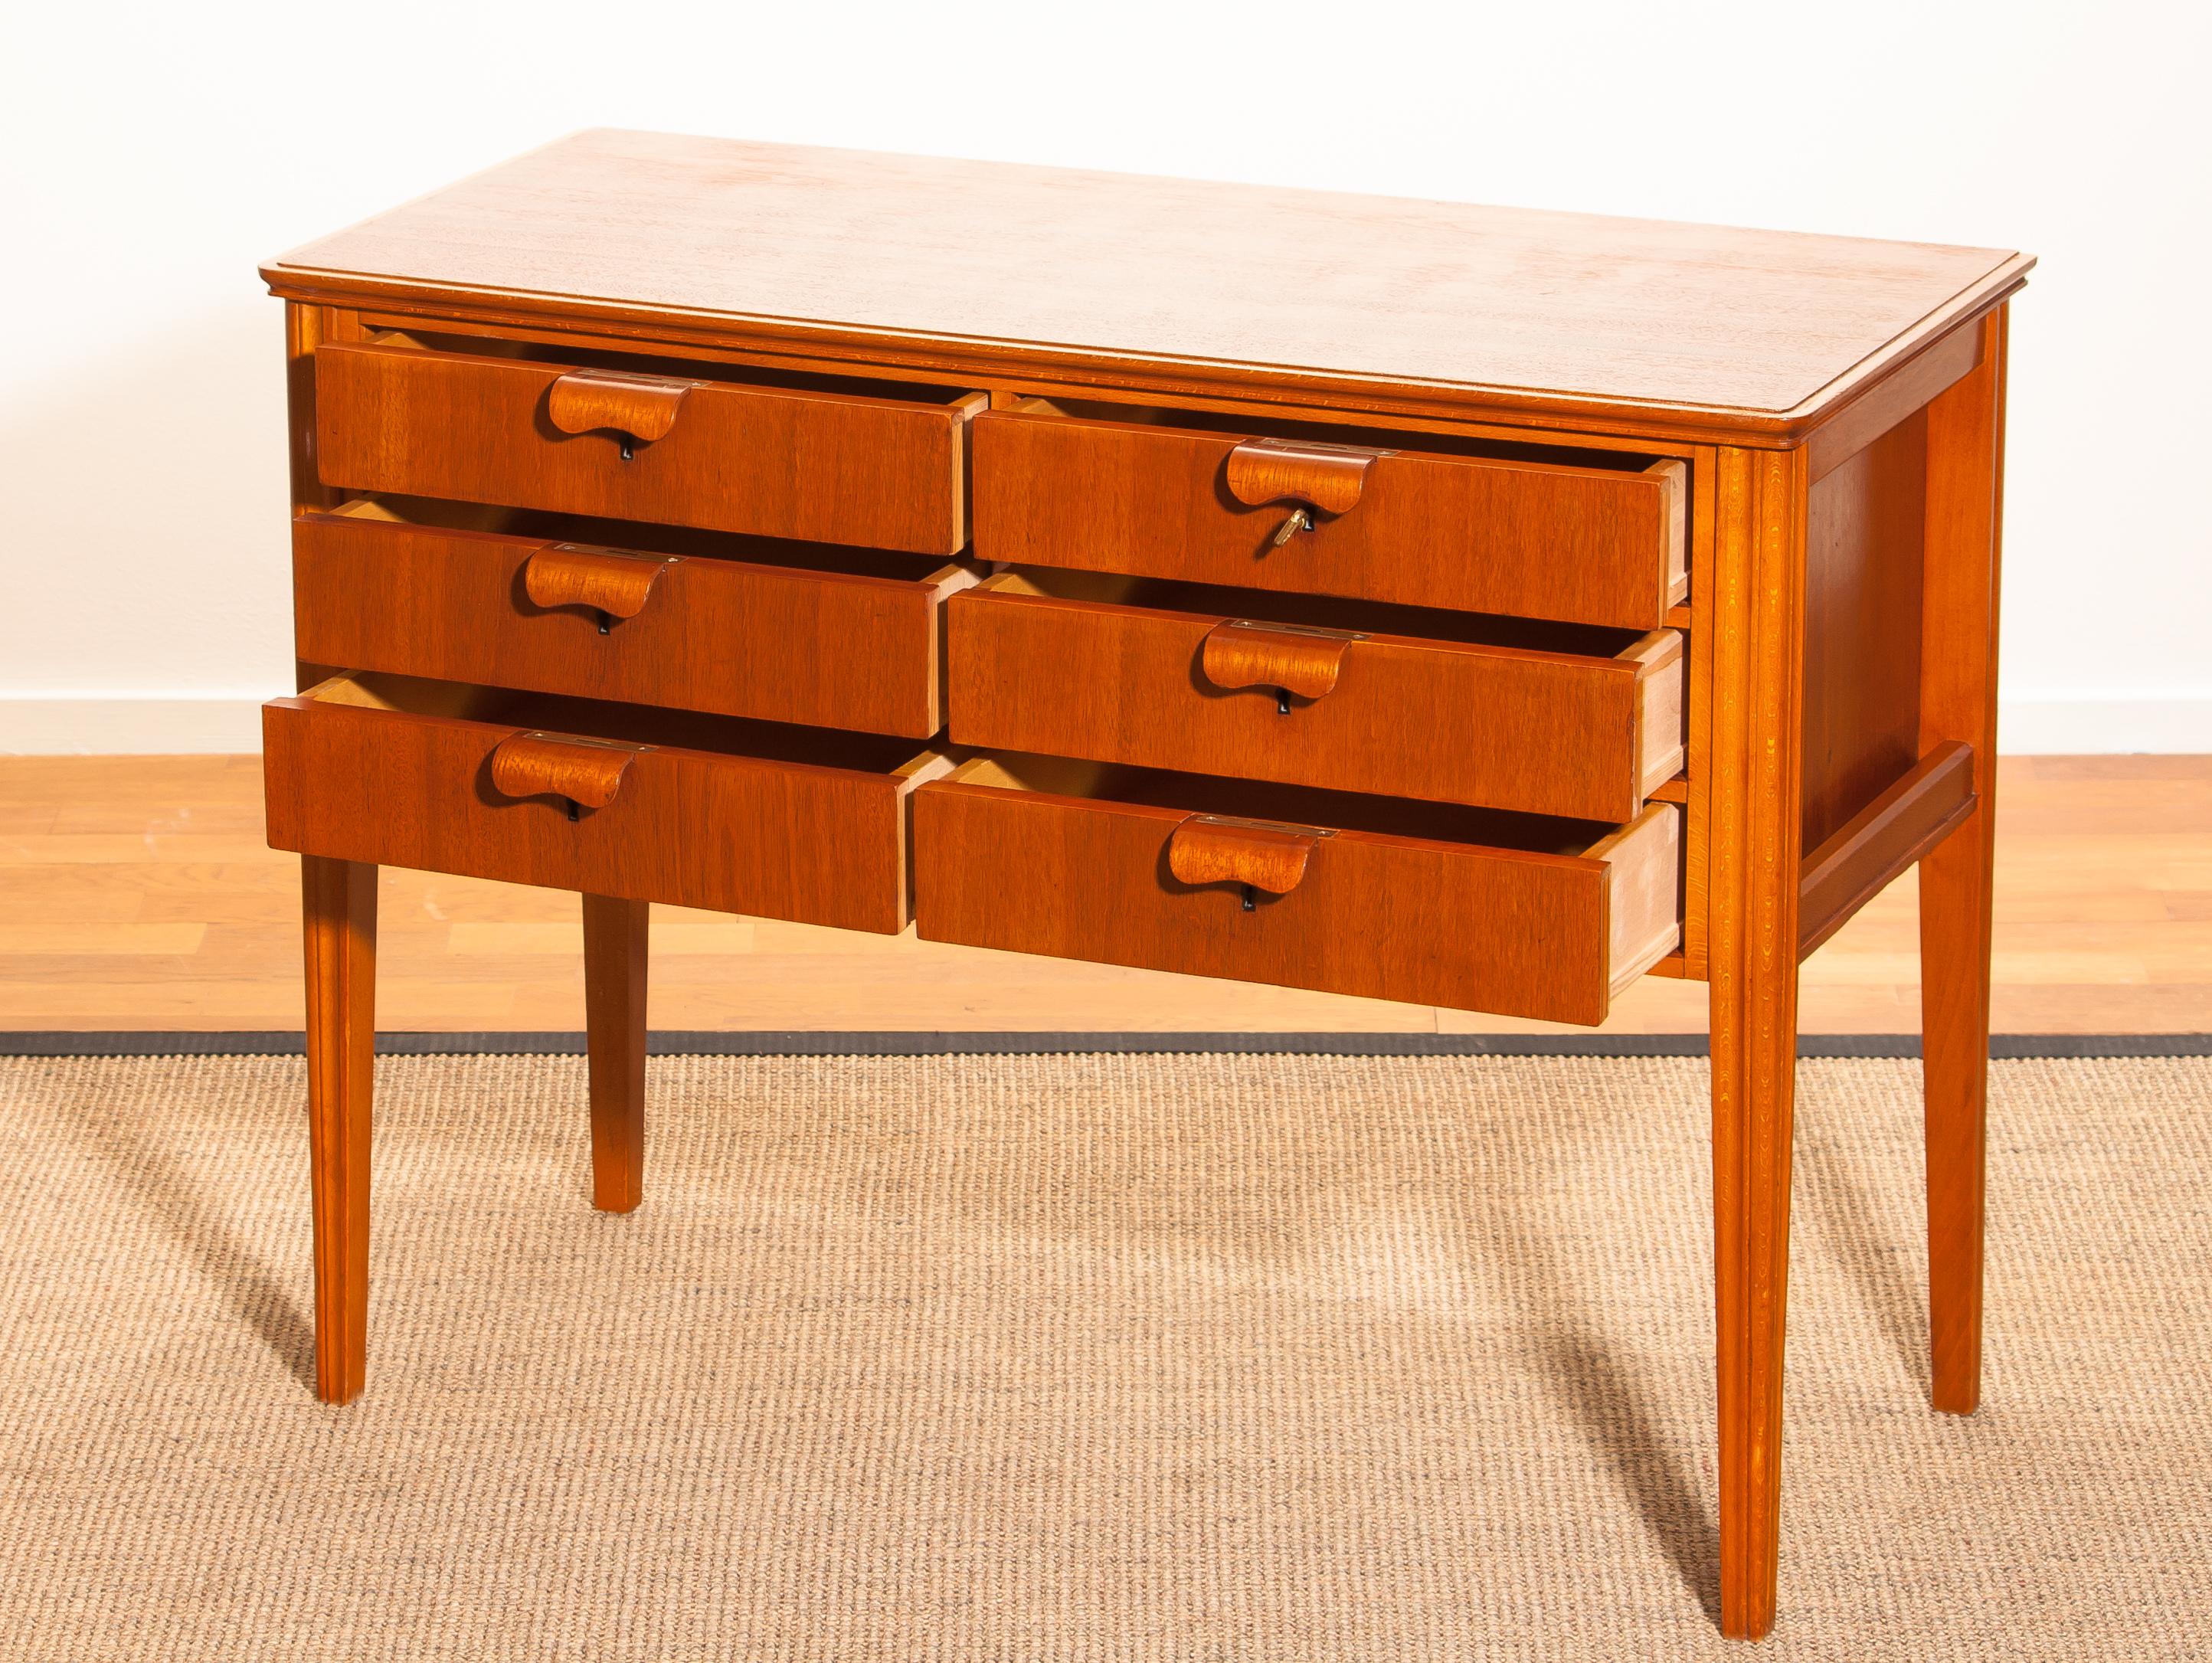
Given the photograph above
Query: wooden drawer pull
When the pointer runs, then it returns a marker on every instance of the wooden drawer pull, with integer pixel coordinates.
(1293, 658)
(1327, 477)
(587, 771)
(642, 407)
(1208, 849)
(611, 581)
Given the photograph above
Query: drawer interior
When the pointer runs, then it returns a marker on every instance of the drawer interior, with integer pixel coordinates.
(647, 363)
(1318, 611)
(1248, 423)
(631, 724)
(1295, 805)
(644, 538)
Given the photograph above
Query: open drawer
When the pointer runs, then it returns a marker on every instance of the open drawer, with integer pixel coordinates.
(1448, 707)
(611, 799)
(1508, 913)
(628, 437)
(1419, 520)
(775, 630)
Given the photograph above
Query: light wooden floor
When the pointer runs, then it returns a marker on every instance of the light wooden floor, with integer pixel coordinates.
(135, 892)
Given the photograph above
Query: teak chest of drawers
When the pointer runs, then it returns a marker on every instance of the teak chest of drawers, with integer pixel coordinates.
(1471, 607)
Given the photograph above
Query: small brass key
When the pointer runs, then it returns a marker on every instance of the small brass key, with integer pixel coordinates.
(1299, 521)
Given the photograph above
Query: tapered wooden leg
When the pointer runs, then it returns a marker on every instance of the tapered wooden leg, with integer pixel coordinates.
(614, 1018)
(338, 902)
(1958, 701)
(1754, 836)
(1955, 1002)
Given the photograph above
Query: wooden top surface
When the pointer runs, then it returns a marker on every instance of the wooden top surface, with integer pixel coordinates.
(1003, 269)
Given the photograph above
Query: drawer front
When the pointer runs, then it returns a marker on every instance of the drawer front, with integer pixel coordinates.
(1583, 545)
(778, 645)
(1386, 918)
(778, 840)
(1584, 737)
(729, 457)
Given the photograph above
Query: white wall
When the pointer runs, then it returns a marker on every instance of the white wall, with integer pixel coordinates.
(154, 157)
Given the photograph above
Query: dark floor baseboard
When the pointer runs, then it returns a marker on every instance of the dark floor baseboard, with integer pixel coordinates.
(802, 1043)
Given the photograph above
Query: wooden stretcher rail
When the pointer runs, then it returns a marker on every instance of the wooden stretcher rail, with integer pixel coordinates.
(1877, 844)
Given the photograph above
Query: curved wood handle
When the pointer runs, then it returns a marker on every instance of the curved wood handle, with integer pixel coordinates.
(1330, 477)
(584, 770)
(643, 406)
(1237, 652)
(611, 581)
(1214, 848)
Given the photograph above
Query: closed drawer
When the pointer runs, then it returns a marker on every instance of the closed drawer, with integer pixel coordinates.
(853, 640)
(663, 444)
(1597, 539)
(1460, 907)
(1545, 718)
(649, 806)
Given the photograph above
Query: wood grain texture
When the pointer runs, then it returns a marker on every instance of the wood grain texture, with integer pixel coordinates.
(307, 328)
(1480, 723)
(1888, 401)
(585, 772)
(338, 907)
(1292, 658)
(457, 321)
(737, 833)
(766, 461)
(1751, 930)
(304, 327)
(1662, 666)
(740, 637)
(1862, 609)
(1882, 842)
(1964, 498)
(1210, 849)
(981, 264)
(1330, 477)
(618, 400)
(615, 949)
(608, 581)
(1582, 544)
(1704, 565)
(1006, 865)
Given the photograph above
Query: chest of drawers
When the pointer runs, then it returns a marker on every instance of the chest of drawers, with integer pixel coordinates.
(1471, 607)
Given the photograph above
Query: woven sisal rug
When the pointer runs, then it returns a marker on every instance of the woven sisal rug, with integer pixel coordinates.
(1104, 1357)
